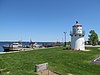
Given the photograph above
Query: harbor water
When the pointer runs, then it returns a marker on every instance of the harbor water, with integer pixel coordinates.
(23, 44)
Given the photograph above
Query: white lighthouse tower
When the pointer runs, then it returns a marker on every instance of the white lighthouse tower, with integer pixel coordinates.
(77, 37)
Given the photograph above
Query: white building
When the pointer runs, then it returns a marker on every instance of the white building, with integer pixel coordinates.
(77, 37)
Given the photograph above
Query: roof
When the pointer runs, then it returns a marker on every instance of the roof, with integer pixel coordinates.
(77, 25)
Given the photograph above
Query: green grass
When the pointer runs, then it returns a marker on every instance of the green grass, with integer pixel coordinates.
(61, 61)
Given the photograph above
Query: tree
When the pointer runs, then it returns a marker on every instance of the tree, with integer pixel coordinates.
(93, 38)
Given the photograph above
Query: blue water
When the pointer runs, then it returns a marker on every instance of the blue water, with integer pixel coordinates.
(7, 43)
(23, 43)
(1, 49)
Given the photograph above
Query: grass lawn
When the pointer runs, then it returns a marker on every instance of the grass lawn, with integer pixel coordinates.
(61, 61)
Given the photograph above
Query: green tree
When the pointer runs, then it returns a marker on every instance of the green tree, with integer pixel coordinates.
(93, 38)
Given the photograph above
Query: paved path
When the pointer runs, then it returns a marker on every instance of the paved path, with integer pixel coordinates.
(24, 49)
(92, 46)
(97, 60)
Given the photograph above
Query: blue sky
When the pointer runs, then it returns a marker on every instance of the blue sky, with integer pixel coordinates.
(46, 20)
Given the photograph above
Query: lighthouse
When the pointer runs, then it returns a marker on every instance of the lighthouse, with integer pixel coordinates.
(77, 37)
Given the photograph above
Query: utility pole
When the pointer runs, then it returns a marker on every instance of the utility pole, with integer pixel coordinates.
(65, 38)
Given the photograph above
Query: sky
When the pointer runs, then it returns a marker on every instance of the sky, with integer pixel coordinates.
(46, 20)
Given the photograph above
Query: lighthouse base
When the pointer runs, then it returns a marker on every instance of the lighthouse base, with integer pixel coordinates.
(77, 43)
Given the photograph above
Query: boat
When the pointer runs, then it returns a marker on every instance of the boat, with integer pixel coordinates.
(35, 45)
(12, 47)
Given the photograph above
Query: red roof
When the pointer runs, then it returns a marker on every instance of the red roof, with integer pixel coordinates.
(77, 25)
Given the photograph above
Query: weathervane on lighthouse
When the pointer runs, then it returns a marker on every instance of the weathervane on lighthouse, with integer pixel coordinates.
(77, 37)
(76, 22)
